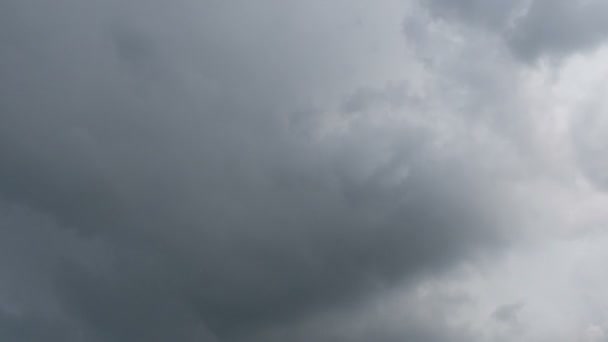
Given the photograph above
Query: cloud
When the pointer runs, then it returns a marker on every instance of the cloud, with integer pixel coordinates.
(264, 171)
(507, 313)
(588, 131)
(559, 28)
(227, 192)
(533, 29)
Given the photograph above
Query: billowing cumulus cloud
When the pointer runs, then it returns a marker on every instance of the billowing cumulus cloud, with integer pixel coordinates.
(289, 171)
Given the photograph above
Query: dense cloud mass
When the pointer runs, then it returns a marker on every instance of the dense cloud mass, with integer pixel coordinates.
(300, 171)
(533, 28)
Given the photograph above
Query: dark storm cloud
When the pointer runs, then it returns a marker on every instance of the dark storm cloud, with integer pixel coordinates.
(24, 328)
(534, 28)
(427, 319)
(181, 181)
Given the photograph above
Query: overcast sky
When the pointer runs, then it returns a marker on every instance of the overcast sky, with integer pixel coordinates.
(295, 171)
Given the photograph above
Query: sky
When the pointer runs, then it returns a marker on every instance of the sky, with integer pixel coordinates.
(291, 171)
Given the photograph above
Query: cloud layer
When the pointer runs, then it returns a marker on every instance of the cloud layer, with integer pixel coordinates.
(265, 171)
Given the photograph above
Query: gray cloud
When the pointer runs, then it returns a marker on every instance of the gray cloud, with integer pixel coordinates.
(491, 14)
(559, 28)
(534, 29)
(588, 136)
(508, 313)
(193, 171)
